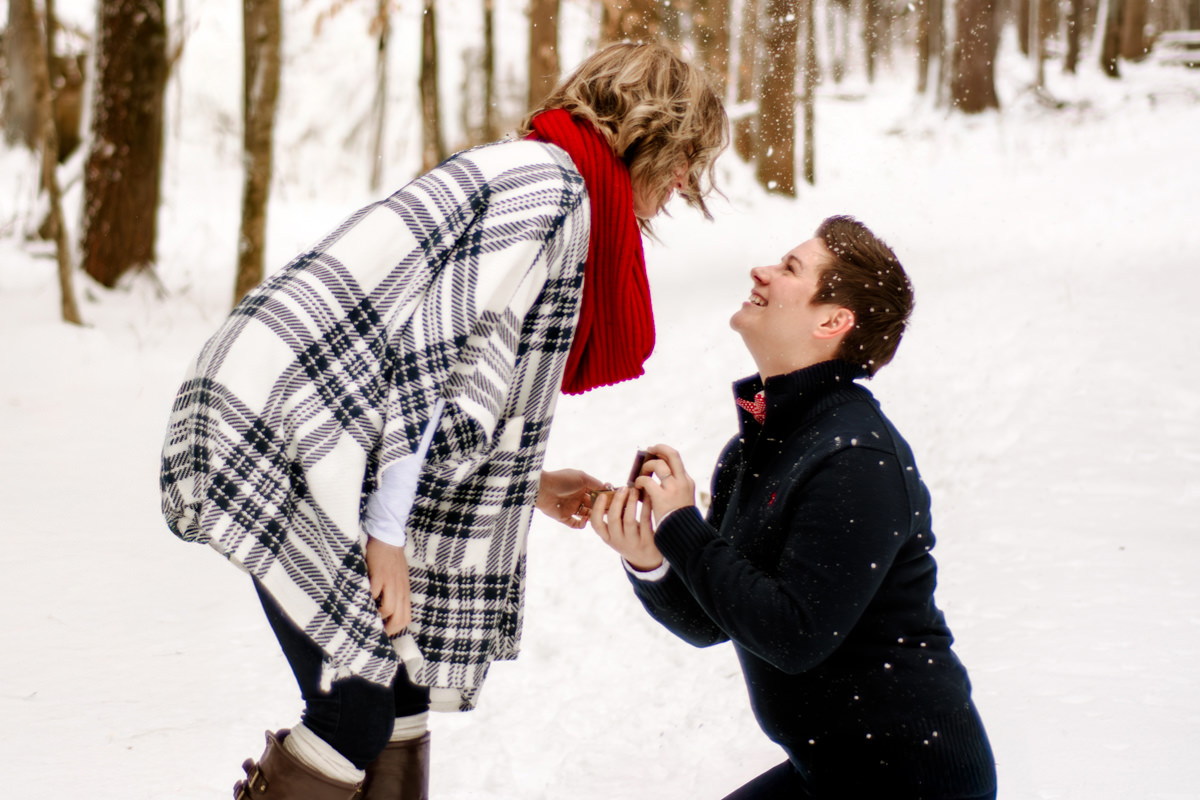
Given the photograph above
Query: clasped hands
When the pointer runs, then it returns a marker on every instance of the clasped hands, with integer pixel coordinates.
(627, 518)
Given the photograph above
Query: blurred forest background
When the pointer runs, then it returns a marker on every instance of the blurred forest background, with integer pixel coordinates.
(90, 99)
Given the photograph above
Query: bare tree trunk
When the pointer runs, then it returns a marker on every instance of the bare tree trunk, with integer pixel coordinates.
(744, 136)
(1024, 14)
(122, 174)
(543, 50)
(1036, 42)
(973, 82)
(636, 20)
(433, 150)
(1110, 48)
(491, 129)
(379, 105)
(38, 48)
(776, 158)
(1074, 24)
(872, 25)
(924, 22)
(810, 91)
(1193, 14)
(261, 32)
(710, 27)
(23, 56)
(1133, 37)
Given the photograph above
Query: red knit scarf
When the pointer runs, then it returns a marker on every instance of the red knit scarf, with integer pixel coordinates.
(615, 334)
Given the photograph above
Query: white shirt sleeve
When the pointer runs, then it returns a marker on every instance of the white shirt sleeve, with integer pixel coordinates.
(656, 574)
(389, 505)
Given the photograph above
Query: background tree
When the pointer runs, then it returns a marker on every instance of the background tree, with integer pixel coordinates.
(810, 91)
(1110, 46)
(710, 29)
(1074, 33)
(491, 127)
(636, 20)
(433, 149)
(261, 34)
(973, 81)
(122, 173)
(543, 50)
(776, 156)
(745, 121)
(382, 25)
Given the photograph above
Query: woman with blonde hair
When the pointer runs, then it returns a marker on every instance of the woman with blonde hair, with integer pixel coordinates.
(365, 433)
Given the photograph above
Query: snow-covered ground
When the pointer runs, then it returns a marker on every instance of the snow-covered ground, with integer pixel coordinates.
(1047, 387)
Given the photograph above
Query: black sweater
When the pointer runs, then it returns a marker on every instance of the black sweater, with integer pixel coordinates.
(815, 561)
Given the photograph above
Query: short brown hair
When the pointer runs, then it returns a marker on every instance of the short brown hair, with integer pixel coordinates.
(866, 277)
(654, 109)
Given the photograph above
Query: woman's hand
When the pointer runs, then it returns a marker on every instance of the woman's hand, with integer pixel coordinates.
(615, 517)
(566, 495)
(387, 568)
(673, 489)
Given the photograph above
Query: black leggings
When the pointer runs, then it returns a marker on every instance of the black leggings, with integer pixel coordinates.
(355, 716)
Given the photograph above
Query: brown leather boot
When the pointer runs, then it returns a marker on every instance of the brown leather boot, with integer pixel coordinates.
(400, 773)
(278, 775)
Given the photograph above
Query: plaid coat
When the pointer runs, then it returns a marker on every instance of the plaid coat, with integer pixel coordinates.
(463, 285)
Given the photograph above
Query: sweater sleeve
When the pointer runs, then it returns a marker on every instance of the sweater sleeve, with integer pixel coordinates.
(842, 530)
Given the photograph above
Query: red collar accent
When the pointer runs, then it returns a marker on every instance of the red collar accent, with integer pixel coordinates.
(757, 407)
(615, 332)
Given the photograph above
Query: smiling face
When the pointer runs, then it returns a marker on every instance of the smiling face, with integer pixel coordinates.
(783, 330)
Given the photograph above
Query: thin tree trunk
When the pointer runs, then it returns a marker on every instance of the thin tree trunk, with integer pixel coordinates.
(924, 22)
(1110, 48)
(1074, 23)
(973, 83)
(543, 50)
(123, 170)
(38, 46)
(776, 158)
(433, 151)
(379, 104)
(744, 128)
(23, 56)
(491, 130)
(1133, 37)
(872, 12)
(810, 91)
(1036, 50)
(636, 20)
(710, 27)
(261, 31)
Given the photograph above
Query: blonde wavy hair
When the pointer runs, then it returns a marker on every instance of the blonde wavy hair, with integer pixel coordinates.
(656, 111)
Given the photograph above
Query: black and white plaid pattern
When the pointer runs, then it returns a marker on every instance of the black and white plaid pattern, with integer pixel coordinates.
(464, 285)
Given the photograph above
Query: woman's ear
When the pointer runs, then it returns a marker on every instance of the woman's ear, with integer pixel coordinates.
(837, 322)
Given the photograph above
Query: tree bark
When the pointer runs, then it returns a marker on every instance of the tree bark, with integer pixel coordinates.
(973, 84)
(636, 20)
(543, 50)
(1110, 48)
(710, 27)
(491, 129)
(744, 128)
(1074, 24)
(810, 90)
(1133, 36)
(261, 32)
(122, 173)
(37, 46)
(433, 150)
(23, 56)
(379, 105)
(776, 158)
(873, 12)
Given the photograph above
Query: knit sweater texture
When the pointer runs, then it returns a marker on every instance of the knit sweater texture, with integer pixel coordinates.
(815, 562)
